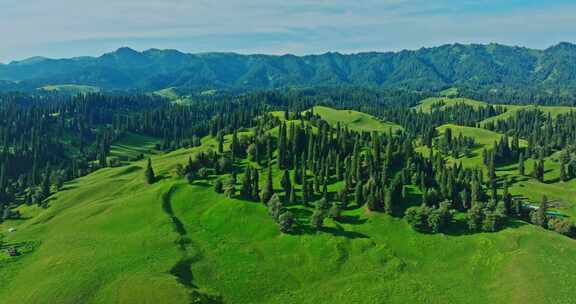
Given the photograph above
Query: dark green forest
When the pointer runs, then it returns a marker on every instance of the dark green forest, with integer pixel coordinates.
(490, 71)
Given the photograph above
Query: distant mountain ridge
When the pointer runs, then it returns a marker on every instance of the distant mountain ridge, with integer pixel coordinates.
(473, 66)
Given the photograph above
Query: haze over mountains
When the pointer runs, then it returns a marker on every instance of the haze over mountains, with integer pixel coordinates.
(473, 66)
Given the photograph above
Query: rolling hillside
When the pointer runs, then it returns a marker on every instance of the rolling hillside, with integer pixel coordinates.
(426, 105)
(513, 109)
(355, 120)
(111, 238)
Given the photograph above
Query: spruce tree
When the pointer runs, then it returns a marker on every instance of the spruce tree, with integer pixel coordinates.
(246, 189)
(507, 199)
(268, 190)
(256, 185)
(389, 202)
(286, 184)
(521, 169)
(220, 142)
(218, 186)
(292, 197)
(563, 171)
(150, 176)
(358, 195)
(46, 185)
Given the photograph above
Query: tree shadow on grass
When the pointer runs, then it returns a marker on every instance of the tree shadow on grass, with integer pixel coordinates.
(12, 245)
(460, 227)
(339, 231)
(352, 219)
(300, 213)
(160, 177)
(552, 180)
(303, 227)
(202, 184)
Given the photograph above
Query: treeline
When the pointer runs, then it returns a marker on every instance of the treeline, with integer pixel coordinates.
(524, 96)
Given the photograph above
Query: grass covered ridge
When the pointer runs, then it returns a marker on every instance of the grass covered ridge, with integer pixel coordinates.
(355, 120)
(110, 238)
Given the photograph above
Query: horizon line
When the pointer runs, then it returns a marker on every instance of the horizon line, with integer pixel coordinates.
(141, 51)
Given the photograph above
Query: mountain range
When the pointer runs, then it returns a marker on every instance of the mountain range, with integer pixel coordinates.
(489, 66)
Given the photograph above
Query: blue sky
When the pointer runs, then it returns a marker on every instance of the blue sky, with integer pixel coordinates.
(65, 28)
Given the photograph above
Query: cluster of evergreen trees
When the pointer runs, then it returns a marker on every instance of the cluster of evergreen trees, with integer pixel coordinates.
(375, 170)
(454, 146)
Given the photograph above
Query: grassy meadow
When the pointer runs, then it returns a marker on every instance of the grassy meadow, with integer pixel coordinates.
(111, 238)
(355, 120)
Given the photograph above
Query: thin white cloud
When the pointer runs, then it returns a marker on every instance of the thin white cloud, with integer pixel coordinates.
(60, 27)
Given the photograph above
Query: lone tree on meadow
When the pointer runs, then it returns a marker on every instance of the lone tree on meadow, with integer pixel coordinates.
(150, 176)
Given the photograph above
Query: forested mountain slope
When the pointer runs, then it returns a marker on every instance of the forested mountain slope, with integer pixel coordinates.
(472, 66)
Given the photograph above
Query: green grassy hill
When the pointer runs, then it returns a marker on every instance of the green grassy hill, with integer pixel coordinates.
(562, 194)
(427, 104)
(355, 120)
(513, 109)
(484, 139)
(173, 95)
(111, 238)
(132, 145)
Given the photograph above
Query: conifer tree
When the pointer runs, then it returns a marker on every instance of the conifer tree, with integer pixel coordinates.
(256, 185)
(46, 184)
(218, 186)
(286, 184)
(234, 146)
(506, 199)
(388, 202)
(563, 170)
(292, 197)
(246, 189)
(358, 195)
(150, 176)
(521, 169)
(220, 137)
(268, 190)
